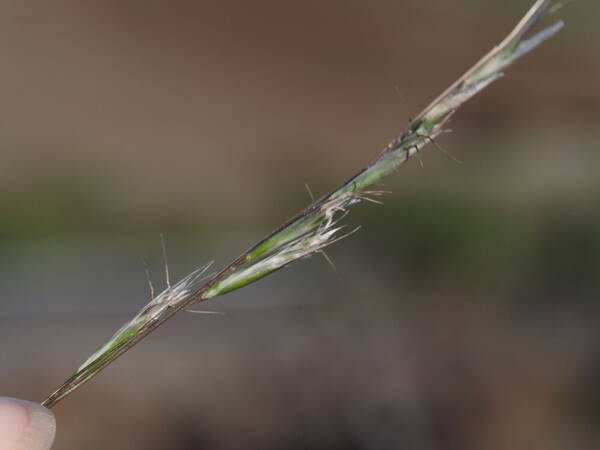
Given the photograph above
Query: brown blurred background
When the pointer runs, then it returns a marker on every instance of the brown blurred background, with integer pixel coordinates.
(466, 311)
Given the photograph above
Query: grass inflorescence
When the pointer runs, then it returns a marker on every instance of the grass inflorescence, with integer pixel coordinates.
(318, 225)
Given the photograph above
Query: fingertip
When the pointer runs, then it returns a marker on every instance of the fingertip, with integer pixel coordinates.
(25, 425)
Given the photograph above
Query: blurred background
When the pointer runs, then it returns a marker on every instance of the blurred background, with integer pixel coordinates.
(466, 310)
